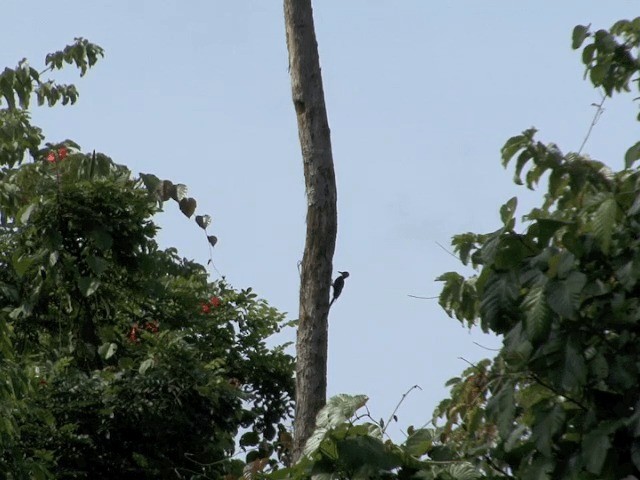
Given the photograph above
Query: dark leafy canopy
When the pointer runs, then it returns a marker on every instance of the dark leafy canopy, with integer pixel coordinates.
(561, 398)
(118, 358)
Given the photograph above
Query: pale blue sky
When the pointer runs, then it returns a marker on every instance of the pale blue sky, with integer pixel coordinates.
(421, 95)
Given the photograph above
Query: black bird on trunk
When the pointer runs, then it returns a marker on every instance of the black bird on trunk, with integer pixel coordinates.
(338, 285)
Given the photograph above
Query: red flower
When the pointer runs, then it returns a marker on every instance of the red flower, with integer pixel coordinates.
(152, 327)
(205, 308)
(215, 301)
(61, 154)
(133, 333)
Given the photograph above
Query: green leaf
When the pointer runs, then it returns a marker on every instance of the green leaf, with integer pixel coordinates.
(145, 365)
(499, 300)
(633, 154)
(595, 447)
(178, 192)
(315, 440)
(212, 240)
(97, 264)
(103, 240)
(603, 220)
(501, 408)
(545, 228)
(587, 56)
(635, 207)
(511, 250)
(580, 33)
(573, 368)
(88, 285)
(151, 182)
(419, 442)
(249, 439)
(561, 265)
(188, 206)
(107, 350)
(203, 221)
(537, 313)
(25, 213)
(339, 409)
(547, 425)
(635, 454)
(22, 263)
(599, 367)
(539, 469)
(563, 296)
(507, 211)
(515, 144)
(366, 455)
(463, 471)
(515, 437)
(598, 73)
(166, 190)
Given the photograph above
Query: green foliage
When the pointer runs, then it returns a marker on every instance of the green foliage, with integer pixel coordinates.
(560, 398)
(119, 359)
(343, 448)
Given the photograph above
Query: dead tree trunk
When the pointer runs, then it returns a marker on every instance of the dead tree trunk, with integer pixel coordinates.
(320, 184)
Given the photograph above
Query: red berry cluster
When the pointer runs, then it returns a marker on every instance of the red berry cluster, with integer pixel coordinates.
(214, 302)
(58, 156)
(134, 333)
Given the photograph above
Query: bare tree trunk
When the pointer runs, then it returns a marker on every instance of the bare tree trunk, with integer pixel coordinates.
(320, 184)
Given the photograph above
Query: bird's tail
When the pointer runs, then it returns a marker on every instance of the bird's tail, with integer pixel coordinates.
(331, 302)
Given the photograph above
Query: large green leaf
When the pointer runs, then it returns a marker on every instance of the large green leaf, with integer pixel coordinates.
(538, 469)
(419, 442)
(548, 423)
(603, 220)
(97, 264)
(463, 471)
(573, 368)
(203, 221)
(499, 300)
(188, 206)
(339, 409)
(88, 285)
(501, 408)
(507, 212)
(563, 296)
(365, 452)
(107, 350)
(580, 33)
(537, 313)
(595, 447)
(633, 154)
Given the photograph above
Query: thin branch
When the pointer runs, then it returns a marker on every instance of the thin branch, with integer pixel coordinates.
(48, 69)
(422, 298)
(497, 468)
(487, 348)
(210, 262)
(596, 117)
(448, 251)
(471, 364)
(539, 381)
(393, 414)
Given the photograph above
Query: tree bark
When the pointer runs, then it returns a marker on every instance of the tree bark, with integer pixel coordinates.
(320, 185)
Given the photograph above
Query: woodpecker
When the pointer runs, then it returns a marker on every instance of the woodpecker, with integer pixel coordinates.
(338, 285)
